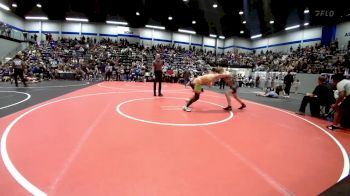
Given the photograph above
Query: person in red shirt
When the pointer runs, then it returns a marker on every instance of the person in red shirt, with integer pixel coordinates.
(158, 75)
(171, 76)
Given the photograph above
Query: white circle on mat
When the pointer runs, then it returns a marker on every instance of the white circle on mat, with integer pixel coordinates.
(118, 109)
(27, 98)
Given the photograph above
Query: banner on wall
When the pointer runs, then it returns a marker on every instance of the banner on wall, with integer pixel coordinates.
(328, 34)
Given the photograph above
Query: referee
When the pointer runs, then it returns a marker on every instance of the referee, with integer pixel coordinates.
(18, 70)
(158, 72)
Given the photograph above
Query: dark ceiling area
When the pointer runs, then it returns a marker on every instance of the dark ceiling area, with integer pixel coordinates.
(223, 20)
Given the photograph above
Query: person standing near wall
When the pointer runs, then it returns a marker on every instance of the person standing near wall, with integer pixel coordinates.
(288, 81)
(8, 31)
(18, 66)
(222, 84)
(346, 65)
(257, 81)
(186, 76)
(158, 75)
(108, 71)
(296, 86)
(25, 36)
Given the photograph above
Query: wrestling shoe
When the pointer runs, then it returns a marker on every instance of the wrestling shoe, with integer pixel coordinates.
(187, 109)
(243, 106)
(228, 108)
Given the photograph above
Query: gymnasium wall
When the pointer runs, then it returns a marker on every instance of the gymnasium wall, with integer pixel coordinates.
(220, 46)
(10, 48)
(239, 44)
(145, 36)
(8, 18)
(308, 82)
(284, 40)
(343, 34)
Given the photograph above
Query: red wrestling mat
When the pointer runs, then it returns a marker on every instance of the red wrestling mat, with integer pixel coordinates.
(118, 139)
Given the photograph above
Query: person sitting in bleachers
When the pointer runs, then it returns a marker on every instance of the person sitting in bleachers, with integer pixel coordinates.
(321, 96)
(2, 29)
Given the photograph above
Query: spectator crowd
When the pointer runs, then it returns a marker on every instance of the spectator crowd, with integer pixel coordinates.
(87, 59)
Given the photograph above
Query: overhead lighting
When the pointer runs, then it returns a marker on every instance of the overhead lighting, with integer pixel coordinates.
(244, 22)
(77, 19)
(306, 24)
(4, 7)
(155, 27)
(271, 21)
(137, 13)
(306, 11)
(215, 5)
(255, 36)
(222, 37)
(36, 18)
(185, 0)
(170, 18)
(116, 22)
(241, 32)
(292, 27)
(14, 5)
(194, 22)
(186, 31)
(241, 12)
(38, 5)
(212, 35)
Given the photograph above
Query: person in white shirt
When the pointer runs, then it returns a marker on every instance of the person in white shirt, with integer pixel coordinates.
(296, 86)
(342, 105)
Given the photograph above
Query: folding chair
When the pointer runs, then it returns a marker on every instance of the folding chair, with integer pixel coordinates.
(323, 112)
(330, 116)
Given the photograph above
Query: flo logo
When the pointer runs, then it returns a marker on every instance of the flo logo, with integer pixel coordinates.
(324, 13)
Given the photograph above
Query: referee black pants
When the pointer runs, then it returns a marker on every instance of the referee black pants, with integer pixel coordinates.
(158, 78)
(19, 72)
